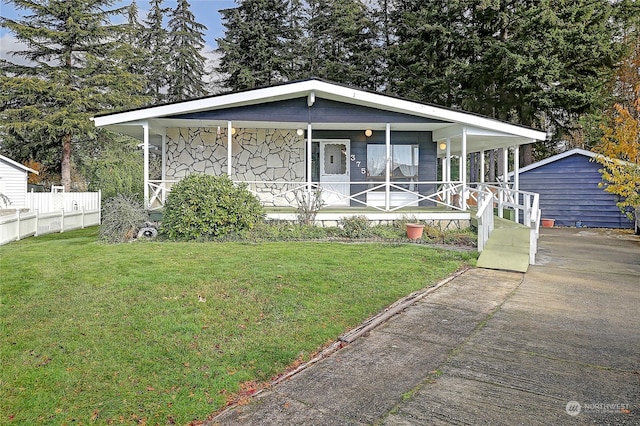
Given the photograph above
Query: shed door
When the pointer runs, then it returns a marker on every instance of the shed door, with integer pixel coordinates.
(334, 172)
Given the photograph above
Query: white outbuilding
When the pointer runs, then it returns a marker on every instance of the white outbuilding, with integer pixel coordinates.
(13, 183)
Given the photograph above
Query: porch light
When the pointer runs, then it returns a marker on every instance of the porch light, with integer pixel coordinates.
(300, 132)
(368, 133)
(233, 130)
(443, 146)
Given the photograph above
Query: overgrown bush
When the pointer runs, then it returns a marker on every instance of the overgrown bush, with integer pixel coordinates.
(204, 207)
(309, 204)
(356, 227)
(121, 217)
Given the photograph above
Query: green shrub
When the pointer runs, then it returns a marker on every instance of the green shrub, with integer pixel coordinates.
(122, 215)
(388, 232)
(203, 207)
(287, 231)
(433, 233)
(356, 227)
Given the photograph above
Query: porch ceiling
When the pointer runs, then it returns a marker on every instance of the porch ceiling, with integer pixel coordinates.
(477, 139)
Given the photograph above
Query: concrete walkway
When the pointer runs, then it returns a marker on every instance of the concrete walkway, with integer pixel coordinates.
(557, 345)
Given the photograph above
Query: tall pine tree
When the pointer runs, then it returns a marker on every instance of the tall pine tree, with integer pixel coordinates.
(341, 36)
(187, 64)
(76, 68)
(155, 42)
(258, 47)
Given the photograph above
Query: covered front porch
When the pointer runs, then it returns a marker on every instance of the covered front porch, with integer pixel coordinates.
(357, 151)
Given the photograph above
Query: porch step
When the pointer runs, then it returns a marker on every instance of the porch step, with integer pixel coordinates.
(507, 248)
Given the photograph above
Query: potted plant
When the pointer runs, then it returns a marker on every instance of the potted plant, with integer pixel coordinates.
(548, 223)
(414, 231)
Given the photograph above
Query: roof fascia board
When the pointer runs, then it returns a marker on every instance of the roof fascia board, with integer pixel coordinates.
(431, 111)
(557, 157)
(17, 165)
(227, 101)
(320, 88)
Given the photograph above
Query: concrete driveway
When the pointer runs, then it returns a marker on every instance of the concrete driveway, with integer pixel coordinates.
(557, 345)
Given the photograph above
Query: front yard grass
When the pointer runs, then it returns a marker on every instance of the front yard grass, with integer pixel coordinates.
(168, 333)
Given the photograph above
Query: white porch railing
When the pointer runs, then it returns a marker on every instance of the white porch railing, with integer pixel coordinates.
(484, 217)
(525, 205)
(397, 195)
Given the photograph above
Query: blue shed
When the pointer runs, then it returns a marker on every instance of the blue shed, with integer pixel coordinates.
(569, 192)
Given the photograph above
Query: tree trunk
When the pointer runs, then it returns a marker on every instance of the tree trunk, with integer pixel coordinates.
(66, 163)
(492, 166)
(527, 155)
(473, 168)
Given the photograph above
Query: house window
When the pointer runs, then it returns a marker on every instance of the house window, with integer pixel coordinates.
(404, 164)
(335, 159)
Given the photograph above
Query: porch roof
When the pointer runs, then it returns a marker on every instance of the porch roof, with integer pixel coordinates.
(482, 132)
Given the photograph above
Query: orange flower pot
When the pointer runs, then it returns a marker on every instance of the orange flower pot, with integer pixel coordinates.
(414, 231)
(548, 223)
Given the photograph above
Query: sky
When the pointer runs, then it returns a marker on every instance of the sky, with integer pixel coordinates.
(205, 11)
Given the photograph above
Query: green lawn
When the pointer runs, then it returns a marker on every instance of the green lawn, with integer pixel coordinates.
(162, 332)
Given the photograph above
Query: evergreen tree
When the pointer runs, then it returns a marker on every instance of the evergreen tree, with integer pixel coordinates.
(541, 63)
(76, 68)
(427, 49)
(132, 35)
(258, 47)
(341, 37)
(155, 42)
(187, 64)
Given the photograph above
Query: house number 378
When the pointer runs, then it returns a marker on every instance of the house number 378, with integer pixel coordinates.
(363, 170)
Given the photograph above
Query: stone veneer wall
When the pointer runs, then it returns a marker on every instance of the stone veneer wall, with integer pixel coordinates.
(268, 155)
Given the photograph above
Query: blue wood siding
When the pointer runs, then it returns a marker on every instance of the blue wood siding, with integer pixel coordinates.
(427, 164)
(296, 110)
(569, 193)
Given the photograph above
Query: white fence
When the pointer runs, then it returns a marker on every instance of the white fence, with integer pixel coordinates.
(21, 225)
(69, 201)
(50, 212)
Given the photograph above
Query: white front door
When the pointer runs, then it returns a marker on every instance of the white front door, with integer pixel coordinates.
(334, 172)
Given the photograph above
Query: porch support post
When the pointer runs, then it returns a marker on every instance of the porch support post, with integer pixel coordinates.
(516, 168)
(387, 190)
(164, 156)
(516, 179)
(481, 166)
(463, 169)
(447, 178)
(505, 166)
(309, 159)
(145, 147)
(444, 168)
(229, 147)
(163, 185)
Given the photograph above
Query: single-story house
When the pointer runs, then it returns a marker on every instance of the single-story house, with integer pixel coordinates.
(569, 191)
(13, 183)
(368, 152)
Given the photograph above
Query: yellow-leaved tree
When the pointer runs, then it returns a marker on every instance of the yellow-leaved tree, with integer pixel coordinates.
(620, 144)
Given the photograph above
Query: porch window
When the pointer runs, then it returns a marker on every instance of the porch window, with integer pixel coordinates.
(404, 163)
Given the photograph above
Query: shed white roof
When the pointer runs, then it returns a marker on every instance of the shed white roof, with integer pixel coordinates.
(17, 165)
